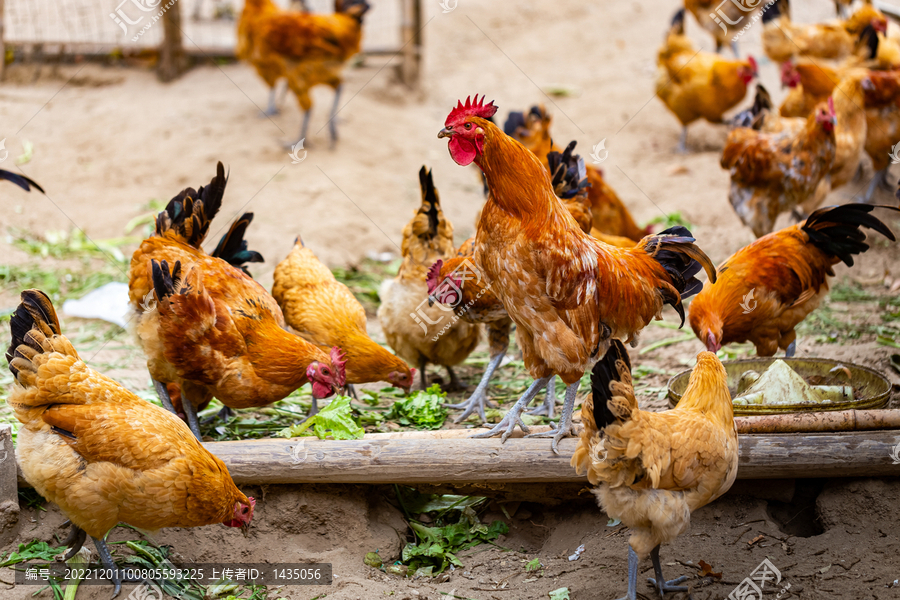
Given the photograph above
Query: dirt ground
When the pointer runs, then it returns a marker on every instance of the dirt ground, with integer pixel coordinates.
(108, 139)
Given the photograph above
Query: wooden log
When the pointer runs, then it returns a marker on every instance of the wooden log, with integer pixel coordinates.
(305, 460)
(528, 460)
(840, 420)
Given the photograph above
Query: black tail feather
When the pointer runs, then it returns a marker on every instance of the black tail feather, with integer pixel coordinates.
(604, 373)
(35, 310)
(233, 247)
(514, 121)
(20, 180)
(836, 230)
(775, 11)
(567, 172)
(429, 195)
(674, 249)
(191, 212)
(165, 284)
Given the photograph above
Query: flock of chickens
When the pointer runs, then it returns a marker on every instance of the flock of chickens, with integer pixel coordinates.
(556, 254)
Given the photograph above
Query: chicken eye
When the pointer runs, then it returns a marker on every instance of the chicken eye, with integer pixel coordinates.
(325, 371)
(468, 126)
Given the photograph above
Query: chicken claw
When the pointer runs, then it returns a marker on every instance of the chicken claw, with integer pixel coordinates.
(549, 406)
(478, 399)
(514, 416)
(565, 428)
(664, 586)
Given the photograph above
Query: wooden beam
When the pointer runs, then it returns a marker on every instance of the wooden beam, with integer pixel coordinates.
(379, 460)
(523, 460)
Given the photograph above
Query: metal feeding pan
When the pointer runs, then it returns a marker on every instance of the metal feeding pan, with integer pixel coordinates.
(870, 388)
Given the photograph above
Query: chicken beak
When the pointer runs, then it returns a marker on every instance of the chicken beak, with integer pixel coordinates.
(430, 300)
(445, 133)
(245, 529)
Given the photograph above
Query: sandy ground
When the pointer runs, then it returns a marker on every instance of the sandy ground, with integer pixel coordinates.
(109, 139)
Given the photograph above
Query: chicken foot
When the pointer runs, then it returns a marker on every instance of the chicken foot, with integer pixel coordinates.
(565, 428)
(632, 575)
(478, 399)
(514, 416)
(163, 394)
(74, 541)
(272, 109)
(110, 566)
(549, 406)
(664, 586)
(682, 142)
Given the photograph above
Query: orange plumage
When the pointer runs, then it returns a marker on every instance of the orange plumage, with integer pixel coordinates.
(216, 332)
(765, 289)
(772, 173)
(655, 469)
(607, 214)
(102, 454)
(324, 312)
(568, 293)
(306, 48)
(695, 84)
(882, 102)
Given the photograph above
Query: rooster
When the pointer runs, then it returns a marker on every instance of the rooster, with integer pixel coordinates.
(20, 180)
(216, 332)
(694, 84)
(569, 294)
(473, 301)
(325, 313)
(655, 469)
(311, 49)
(609, 216)
(772, 173)
(767, 288)
(102, 454)
(417, 331)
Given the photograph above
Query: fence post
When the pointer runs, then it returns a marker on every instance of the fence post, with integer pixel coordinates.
(2, 45)
(172, 60)
(412, 52)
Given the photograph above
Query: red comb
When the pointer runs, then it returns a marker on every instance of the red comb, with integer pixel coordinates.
(753, 64)
(434, 275)
(471, 109)
(338, 360)
(831, 105)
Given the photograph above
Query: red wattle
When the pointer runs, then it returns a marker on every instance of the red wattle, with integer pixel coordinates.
(462, 151)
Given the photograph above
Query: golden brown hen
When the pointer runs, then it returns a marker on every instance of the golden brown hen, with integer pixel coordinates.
(698, 85)
(324, 312)
(421, 333)
(99, 452)
(772, 173)
(656, 468)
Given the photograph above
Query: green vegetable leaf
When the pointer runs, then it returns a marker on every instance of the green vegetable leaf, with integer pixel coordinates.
(335, 420)
(559, 594)
(424, 409)
(533, 565)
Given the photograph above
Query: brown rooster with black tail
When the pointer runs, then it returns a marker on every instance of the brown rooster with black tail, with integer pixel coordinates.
(766, 289)
(568, 293)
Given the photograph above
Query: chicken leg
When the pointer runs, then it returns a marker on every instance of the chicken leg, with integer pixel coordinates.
(879, 179)
(455, 384)
(478, 398)
(272, 109)
(682, 142)
(190, 411)
(110, 566)
(163, 394)
(332, 122)
(565, 420)
(791, 349)
(549, 406)
(632, 575)
(514, 416)
(660, 583)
